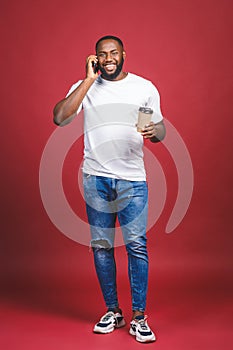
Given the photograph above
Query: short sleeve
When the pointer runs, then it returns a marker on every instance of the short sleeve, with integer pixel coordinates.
(73, 87)
(154, 103)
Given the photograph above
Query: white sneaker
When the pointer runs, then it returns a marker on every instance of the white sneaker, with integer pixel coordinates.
(142, 331)
(109, 322)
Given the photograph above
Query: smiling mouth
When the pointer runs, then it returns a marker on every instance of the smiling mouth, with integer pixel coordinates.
(110, 67)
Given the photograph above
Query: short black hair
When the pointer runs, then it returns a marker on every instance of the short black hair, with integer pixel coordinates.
(106, 37)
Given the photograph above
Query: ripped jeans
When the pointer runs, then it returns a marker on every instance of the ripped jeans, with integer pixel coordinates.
(108, 199)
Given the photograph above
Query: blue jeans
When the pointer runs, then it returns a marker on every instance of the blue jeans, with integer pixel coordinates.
(108, 199)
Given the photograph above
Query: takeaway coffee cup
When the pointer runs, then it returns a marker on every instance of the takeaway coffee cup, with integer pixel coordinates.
(144, 117)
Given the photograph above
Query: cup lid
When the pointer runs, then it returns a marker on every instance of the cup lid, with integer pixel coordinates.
(146, 110)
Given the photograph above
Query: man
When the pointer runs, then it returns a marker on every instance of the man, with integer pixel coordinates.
(113, 173)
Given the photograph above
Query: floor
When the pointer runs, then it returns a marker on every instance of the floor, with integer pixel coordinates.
(185, 315)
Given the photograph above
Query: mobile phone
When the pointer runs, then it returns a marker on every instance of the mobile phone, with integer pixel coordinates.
(95, 67)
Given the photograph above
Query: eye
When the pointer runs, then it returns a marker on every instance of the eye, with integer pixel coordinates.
(101, 55)
(115, 53)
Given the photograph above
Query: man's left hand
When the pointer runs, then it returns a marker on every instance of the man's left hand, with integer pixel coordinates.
(154, 132)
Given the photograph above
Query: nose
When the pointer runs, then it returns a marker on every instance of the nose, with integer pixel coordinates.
(108, 56)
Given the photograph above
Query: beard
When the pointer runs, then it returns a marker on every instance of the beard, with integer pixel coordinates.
(114, 75)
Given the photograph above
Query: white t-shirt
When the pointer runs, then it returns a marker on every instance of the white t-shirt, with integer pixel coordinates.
(112, 145)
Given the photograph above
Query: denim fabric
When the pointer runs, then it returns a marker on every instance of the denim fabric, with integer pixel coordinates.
(108, 199)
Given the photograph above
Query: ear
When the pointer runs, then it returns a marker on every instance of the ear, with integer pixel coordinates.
(124, 54)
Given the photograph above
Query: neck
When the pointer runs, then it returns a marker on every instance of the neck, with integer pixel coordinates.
(121, 76)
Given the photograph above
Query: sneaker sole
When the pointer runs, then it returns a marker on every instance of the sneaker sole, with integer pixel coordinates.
(148, 340)
(101, 331)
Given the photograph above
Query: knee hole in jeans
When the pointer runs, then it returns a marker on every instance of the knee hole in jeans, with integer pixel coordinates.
(101, 244)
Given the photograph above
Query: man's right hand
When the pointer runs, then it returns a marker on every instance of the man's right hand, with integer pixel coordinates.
(92, 59)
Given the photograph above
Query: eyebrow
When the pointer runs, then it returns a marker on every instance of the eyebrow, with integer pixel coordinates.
(102, 51)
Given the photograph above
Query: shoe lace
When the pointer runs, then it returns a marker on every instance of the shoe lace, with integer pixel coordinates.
(106, 317)
(143, 323)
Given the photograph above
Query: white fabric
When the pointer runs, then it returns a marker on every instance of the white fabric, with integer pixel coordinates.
(112, 145)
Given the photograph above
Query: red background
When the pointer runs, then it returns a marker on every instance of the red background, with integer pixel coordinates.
(50, 296)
